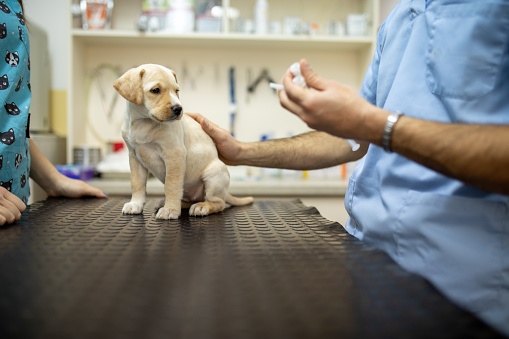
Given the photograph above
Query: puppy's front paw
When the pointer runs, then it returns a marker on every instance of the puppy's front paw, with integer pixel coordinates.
(167, 213)
(133, 208)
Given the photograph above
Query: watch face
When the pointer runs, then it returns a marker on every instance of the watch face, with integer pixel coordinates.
(386, 138)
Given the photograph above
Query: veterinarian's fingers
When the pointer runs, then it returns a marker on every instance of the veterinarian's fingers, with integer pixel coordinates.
(289, 104)
(213, 130)
(227, 146)
(196, 116)
(294, 92)
(205, 125)
(313, 80)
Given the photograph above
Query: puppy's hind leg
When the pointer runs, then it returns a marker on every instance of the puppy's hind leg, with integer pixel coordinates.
(216, 180)
(211, 205)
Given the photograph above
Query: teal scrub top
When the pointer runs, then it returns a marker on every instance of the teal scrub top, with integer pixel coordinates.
(15, 96)
(445, 61)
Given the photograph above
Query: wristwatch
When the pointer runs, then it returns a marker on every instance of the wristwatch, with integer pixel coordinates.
(392, 119)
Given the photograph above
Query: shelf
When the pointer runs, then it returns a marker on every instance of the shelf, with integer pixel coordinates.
(130, 37)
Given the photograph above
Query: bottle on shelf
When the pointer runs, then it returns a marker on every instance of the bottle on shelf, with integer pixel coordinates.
(261, 17)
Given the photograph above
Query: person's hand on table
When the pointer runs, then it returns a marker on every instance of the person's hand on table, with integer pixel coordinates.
(11, 207)
(72, 188)
(54, 183)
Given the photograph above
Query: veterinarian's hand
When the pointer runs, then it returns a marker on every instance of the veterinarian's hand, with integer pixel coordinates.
(11, 207)
(72, 188)
(326, 105)
(227, 146)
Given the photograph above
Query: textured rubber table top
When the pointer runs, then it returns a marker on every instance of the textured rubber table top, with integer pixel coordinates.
(80, 269)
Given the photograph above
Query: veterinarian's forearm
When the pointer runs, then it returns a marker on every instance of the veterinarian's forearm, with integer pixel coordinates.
(475, 154)
(307, 151)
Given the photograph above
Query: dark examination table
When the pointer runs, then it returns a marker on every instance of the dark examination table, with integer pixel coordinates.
(78, 268)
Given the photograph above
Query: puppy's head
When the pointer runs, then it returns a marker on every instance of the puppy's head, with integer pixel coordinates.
(155, 88)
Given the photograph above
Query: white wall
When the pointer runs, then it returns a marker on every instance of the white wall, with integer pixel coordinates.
(386, 7)
(53, 16)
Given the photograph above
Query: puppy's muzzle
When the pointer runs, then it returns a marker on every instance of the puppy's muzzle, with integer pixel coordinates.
(169, 114)
(176, 110)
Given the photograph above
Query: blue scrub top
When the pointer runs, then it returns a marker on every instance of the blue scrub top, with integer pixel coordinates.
(15, 96)
(445, 61)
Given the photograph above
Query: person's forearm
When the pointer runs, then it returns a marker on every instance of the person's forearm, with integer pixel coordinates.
(307, 151)
(41, 169)
(475, 154)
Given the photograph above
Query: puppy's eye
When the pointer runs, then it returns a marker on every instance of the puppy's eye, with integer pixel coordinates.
(177, 91)
(155, 90)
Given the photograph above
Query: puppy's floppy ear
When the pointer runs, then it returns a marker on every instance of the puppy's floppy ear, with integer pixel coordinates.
(130, 86)
(176, 81)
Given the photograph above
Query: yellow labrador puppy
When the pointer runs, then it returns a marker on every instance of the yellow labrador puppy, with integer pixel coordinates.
(172, 146)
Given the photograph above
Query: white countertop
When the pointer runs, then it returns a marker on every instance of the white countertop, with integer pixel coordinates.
(265, 187)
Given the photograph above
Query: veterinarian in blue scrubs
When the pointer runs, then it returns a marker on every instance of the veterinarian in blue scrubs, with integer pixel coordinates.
(432, 189)
(16, 148)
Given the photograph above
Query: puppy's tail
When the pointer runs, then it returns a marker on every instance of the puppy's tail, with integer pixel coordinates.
(234, 201)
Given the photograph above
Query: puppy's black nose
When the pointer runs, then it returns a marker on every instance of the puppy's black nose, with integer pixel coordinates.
(176, 109)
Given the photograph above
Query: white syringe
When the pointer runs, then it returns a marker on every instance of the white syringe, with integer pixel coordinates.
(298, 79)
(273, 85)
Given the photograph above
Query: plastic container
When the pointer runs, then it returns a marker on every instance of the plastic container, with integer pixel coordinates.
(96, 14)
(80, 172)
(356, 25)
(180, 16)
(206, 21)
